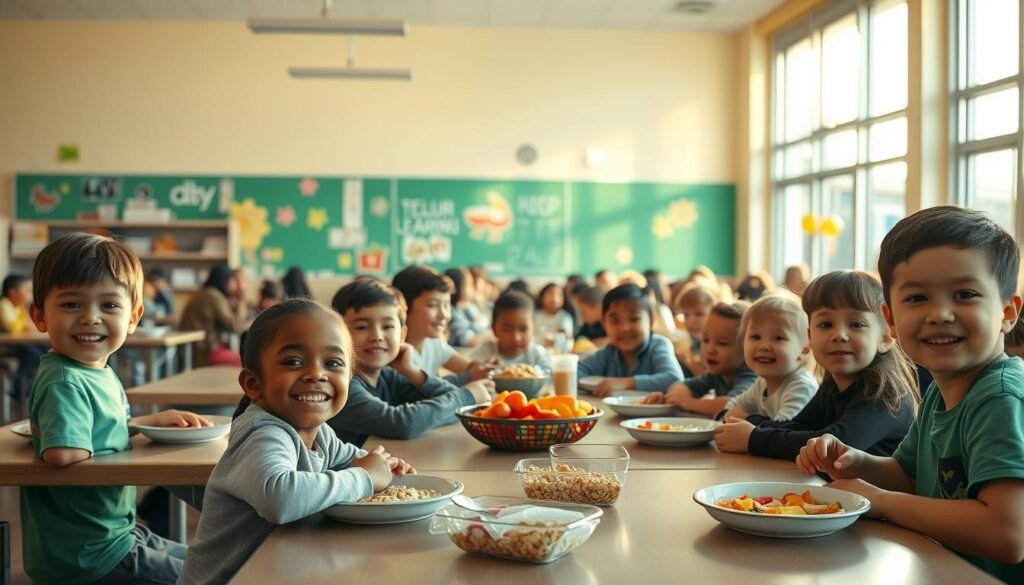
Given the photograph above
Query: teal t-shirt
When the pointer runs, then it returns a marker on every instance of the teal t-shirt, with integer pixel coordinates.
(76, 534)
(952, 454)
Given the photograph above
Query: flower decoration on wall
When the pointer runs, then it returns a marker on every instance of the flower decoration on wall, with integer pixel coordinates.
(624, 255)
(662, 227)
(252, 223)
(379, 206)
(285, 216)
(309, 186)
(683, 213)
(316, 218)
(345, 260)
(272, 254)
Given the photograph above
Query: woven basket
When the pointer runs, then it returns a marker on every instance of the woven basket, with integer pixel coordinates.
(525, 435)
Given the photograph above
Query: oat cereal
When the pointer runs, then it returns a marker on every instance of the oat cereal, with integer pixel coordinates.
(537, 541)
(566, 483)
(401, 493)
(518, 371)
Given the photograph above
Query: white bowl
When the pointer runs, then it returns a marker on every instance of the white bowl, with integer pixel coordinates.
(177, 435)
(672, 438)
(624, 405)
(781, 526)
(402, 511)
(22, 429)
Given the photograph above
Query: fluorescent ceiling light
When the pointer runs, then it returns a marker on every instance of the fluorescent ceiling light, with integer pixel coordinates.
(349, 73)
(328, 26)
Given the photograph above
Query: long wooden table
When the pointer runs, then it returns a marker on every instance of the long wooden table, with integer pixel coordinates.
(655, 532)
(212, 385)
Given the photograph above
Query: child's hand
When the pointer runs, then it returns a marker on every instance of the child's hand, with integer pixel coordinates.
(875, 495)
(735, 412)
(376, 464)
(733, 437)
(482, 390)
(481, 370)
(403, 362)
(680, 395)
(173, 418)
(654, 398)
(400, 467)
(829, 455)
(608, 385)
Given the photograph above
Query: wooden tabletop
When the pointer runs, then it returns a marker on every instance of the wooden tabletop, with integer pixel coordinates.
(146, 463)
(655, 532)
(452, 448)
(215, 385)
(171, 338)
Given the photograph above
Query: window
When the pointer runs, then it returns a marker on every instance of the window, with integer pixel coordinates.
(986, 106)
(839, 134)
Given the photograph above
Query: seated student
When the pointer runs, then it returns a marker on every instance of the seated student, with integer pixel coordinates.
(949, 276)
(389, 395)
(163, 295)
(727, 374)
(90, 290)
(269, 296)
(774, 334)
(512, 324)
(466, 327)
(869, 392)
(428, 297)
(14, 318)
(605, 280)
(283, 462)
(588, 301)
(634, 358)
(551, 318)
(694, 302)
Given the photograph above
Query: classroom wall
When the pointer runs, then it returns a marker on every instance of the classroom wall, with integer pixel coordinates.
(169, 97)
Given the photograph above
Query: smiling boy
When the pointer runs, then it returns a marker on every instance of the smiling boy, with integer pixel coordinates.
(949, 277)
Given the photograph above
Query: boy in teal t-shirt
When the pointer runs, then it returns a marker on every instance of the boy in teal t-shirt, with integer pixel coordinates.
(950, 277)
(90, 290)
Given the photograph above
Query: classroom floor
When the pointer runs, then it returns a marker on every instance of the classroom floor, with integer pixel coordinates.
(9, 512)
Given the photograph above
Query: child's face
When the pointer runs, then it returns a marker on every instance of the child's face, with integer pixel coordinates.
(553, 299)
(87, 323)
(773, 348)
(429, 314)
(304, 373)
(720, 345)
(845, 341)
(947, 311)
(695, 317)
(21, 295)
(514, 330)
(377, 335)
(590, 313)
(628, 326)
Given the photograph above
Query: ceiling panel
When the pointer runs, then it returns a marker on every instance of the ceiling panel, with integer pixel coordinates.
(161, 9)
(459, 12)
(351, 9)
(290, 9)
(528, 13)
(222, 9)
(575, 13)
(415, 11)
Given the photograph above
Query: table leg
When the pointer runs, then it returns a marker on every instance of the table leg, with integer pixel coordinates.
(179, 514)
(154, 372)
(171, 356)
(188, 356)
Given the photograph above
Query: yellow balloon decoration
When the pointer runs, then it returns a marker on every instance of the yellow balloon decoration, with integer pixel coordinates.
(809, 224)
(832, 225)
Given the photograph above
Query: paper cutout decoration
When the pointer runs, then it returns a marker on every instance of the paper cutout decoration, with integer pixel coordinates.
(682, 214)
(624, 255)
(490, 220)
(662, 227)
(345, 260)
(316, 218)
(373, 259)
(308, 187)
(285, 216)
(68, 153)
(272, 254)
(379, 206)
(42, 201)
(252, 224)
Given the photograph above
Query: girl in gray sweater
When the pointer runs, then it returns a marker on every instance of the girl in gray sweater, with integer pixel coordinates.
(283, 462)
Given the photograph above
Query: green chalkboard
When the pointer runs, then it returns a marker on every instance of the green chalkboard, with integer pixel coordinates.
(337, 226)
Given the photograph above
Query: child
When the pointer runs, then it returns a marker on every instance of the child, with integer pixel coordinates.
(590, 301)
(512, 324)
(774, 333)
(269, 296)
(17, 296)
(797, 277)
(869, 391)
(727, 374)
(390, 396)
(283, 462)
(90, 289)
(552, 319)
(163, 295)
(694, 302)
(634, 357)
(428, 298)
(466, 328)
(949, 276)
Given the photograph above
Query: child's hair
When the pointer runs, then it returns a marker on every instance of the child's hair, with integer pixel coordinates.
(775, 308)
(754, 285)
(458, 278)
(156, 274)
(366, 292)
(628, 292)
(12, 282)
(590, 296)
(544, 290)
(79, 259)
(294, 283)
(412, 281)
(695, 294)
(268, 290)
(946, 225)
(734, 310)
(518, 285)
(632, 277)
(511, 300)
(601, 272)
(653, 278)
(264, 327)
(219, 278)
(891, 376)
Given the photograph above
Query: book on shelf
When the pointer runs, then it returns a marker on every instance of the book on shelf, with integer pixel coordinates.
(28, 238)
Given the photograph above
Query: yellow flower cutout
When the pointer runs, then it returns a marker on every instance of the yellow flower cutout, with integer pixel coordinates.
(316, 218)
(683, 213)
(662, 227)
(252, 223)
(65, 188)
(345, 260)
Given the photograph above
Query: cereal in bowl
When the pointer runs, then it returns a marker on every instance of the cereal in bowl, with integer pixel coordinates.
(400, 493)
(518, 371)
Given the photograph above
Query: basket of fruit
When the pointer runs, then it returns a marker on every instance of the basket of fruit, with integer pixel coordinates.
(514, 423)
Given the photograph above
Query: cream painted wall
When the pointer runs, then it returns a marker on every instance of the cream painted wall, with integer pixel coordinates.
(212, 97)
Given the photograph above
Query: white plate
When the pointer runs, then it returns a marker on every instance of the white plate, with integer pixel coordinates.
(623, 404)
(397, 512)
(221, 426)
(778, 525)
(22, 429)
(672, 438)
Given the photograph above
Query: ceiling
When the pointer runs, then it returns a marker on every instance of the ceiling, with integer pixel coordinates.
(653, 15)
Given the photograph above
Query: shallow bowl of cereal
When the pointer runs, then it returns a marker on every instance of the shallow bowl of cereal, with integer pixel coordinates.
(598, 482)
(523, 377)
(408, 498)
(671, 431)
(532, 531)
(632, 405)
